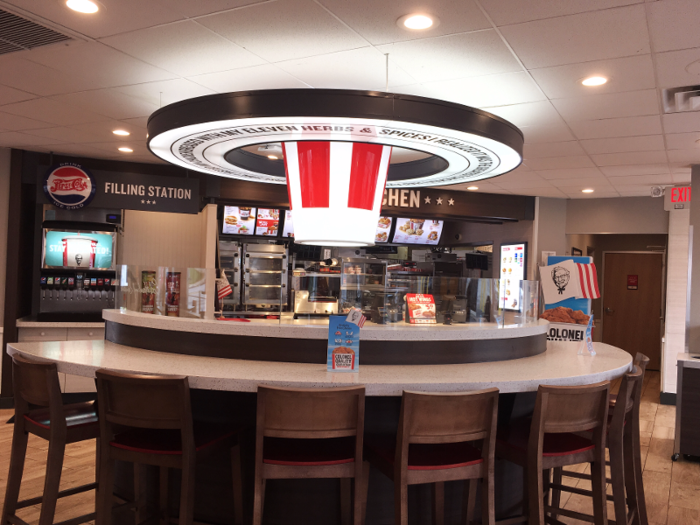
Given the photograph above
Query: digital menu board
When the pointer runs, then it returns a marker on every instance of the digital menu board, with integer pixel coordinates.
(288, 225)
(417, 231)
(513, 267)
(267, 222)
(74, 249)
(383, 228)
(238, 220)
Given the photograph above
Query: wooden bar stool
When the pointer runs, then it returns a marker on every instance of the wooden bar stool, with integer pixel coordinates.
(550, 441)
(309, 433)
(39, 410)
(147, 419)
(625, 456)
(436, 443)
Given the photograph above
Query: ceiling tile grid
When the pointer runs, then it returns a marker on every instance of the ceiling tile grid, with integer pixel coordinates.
(523, 61)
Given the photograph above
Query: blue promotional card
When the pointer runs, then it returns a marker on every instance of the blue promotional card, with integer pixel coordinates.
(343, 345)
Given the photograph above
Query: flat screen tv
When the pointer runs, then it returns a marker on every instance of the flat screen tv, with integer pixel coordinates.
(417, 231)
(77, 249)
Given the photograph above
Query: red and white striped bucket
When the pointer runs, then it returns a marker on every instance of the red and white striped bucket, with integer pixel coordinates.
(336, 190)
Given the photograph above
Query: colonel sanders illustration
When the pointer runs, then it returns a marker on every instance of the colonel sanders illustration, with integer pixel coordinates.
(78, 258)
(560, 276)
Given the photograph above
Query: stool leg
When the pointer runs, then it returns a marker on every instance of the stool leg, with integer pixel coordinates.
(14, 478)
(54, 466)
(488, 511)
(237, 485)
(365, 488)
(258, 499)
(187, 490)
(556, 493)
(599, 495)
(617, 477)
(345, 497)
(635, 452)
(535, 494)
(400, 502)
(163, 495)
(469, 501)
(439, 503)
(105, 486)
(631, 489)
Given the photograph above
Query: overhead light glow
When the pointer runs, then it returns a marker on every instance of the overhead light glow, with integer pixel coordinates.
(121, 132)
(594, 81)
(82, 6)
(417, 22)
(272, 157)
(126, 150)
(587, 190)
(473, 188)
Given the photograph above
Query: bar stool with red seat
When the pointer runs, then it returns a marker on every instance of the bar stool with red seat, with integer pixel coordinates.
(309, 433)
(550, 441)
(39, 410)
(147, 419)
(436, 443)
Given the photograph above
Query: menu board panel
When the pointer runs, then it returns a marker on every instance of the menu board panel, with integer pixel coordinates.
(512, 272)
(267, 222)
(288, 225)
(383, 228)
(239, 221)
(417, 231)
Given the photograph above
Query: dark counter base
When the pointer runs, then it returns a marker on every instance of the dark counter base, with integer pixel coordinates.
(314, 350)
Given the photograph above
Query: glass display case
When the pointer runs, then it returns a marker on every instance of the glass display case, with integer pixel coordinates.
(265, 276)
(316, 293)
(361, 280)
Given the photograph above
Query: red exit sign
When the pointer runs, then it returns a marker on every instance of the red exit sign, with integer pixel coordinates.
(677, 198)
(680, 194)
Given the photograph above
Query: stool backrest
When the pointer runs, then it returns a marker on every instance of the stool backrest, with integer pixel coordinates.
(304, 413)
(143, 401)
(35, 382)
(641, 361)
(570, 408)
(625, 401)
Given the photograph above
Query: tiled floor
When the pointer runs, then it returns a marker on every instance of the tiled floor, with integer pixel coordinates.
(672, 489)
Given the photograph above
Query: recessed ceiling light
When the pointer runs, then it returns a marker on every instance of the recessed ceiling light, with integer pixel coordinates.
(473, 188)
(121, 132)
(83, 6)
(124, 149)
(417, 22)
(594, 81)
(587, 190)
(272, 157)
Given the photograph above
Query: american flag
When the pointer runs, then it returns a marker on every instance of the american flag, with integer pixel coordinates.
(223, 286)
(588, 278)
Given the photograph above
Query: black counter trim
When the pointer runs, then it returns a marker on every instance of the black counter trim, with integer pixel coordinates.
(314, 350)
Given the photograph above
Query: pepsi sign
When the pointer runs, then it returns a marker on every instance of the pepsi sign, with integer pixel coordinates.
(69, 186)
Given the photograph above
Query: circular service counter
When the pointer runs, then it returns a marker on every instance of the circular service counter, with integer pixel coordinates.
(306, 341)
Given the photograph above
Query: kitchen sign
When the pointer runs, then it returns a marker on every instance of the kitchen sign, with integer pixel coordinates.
(70, 186)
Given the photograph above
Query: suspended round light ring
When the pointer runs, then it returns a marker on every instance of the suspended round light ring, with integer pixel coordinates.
(205, 133)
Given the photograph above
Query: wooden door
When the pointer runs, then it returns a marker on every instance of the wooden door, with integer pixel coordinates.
(632, 288)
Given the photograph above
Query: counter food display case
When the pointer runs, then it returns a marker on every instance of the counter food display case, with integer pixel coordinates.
(264, 276)
(316, 292)
(361, 279)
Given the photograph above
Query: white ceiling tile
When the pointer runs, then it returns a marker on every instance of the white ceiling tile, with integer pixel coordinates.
(518, 184)
(608, 105)
(599, 183)
(64, 134)
(634, 191)
(184, 48)
(116, 16)
(576, 193)
(681, 122)
(683, 140)
(504, 12)
(556, 163)
(18, 123)
(681, 178)
(622, 159)
(60, 114)
(570, 173)
(547, 191)
(623, 171)
(363, 68)
(158, 94)
(508, 88)
(553, 149)
(691, 156)
(674, 24)
(376, 20)
(624, 144)
(454, 56)
(673, 71)
(192, 9)
(14, 139)
(516, 176)
(484, 187)
(257, 77)
(623, 74)
(649, 180)
(103, 65)
(618, 32)
(105, 102)
(139, 147)
(278, 31)
(543, 134)
(10, 95)
(79, 150)
(617, 127)
(530, 114)
(39, 79)
(102, 131)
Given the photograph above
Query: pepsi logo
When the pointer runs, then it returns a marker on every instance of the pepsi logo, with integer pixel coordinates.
(69, 186)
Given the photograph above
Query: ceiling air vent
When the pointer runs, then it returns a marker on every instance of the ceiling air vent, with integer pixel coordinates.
(18, 34)
(680, 99)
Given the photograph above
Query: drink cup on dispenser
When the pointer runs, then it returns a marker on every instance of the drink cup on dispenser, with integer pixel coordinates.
(148, 292)
(172, 294)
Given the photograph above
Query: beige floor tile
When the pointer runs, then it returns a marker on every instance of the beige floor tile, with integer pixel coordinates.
(686, 496)
(681, 516)
(665, 421)
(686, 472)
(666, 411)
(661, 432)
(645, 438)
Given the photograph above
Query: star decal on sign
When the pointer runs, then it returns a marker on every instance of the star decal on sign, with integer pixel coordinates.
(143, 201)
(439, 201)
(451, 202)
(148, 202)
(154, 202)
(427, 200)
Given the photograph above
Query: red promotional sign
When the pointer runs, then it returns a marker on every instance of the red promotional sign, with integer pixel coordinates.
(632, 282)
(421, 308)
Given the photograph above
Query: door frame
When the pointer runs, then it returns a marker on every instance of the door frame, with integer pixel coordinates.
(663, 254)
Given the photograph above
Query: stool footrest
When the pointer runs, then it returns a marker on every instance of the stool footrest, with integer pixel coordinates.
(570, 514)
(573, 490)
(16, 521)
(78, 520)
(61, 494)
(577, 475)
(511, 521)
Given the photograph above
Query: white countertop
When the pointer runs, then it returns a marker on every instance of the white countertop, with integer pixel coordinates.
(689, 360)
(31, 322)
(559, 365)
(287, 327)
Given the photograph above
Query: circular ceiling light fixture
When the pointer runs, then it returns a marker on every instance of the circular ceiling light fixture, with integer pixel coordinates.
(594, 81)
(124, 149)
(588, 190)
(473, 188)
(83, 6)
(337, 147)
(417, 22)
(121, 132)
